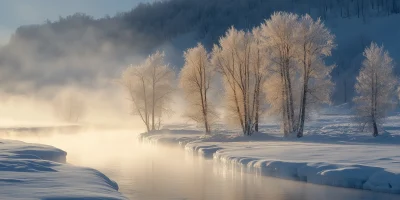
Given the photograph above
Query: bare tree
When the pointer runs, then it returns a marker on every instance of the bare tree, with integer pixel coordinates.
(314, 43)
(279, 35)
(149, 86)
(195, 80)
(375, 87)
(233, 58)
(242, 61)
(260, 64)
(69, 106)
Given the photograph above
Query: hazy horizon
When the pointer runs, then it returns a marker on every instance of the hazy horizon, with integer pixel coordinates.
(16, 13)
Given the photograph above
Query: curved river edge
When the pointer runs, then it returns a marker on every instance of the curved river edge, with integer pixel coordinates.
(233, 155)
(35, 171)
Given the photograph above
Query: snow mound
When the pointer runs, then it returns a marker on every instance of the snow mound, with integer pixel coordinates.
(21, 150)
(30, 171)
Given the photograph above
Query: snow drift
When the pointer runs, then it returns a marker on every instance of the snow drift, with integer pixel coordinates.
(31, 171)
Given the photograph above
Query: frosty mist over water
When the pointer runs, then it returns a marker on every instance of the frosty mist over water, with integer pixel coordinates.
(273, 88)
(145, 171)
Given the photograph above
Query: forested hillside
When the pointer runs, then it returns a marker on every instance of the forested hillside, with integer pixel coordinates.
(79, 48)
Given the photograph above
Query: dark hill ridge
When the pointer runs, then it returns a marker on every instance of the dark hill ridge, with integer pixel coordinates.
(79, 48)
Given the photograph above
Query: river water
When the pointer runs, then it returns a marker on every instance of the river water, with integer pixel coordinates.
(147, 172)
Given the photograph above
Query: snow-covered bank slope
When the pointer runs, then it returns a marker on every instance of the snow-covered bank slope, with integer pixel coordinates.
(367, 167)
(325, 156)
(31, 171)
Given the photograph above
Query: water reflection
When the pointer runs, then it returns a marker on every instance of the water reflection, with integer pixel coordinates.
(144, 171)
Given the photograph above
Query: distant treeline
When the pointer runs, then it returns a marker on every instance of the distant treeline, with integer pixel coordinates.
(149, 24)
(113, 39)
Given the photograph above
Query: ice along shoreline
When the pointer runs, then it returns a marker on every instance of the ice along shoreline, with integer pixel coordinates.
(376, 169)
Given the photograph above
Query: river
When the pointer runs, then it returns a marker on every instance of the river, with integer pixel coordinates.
(147, 172)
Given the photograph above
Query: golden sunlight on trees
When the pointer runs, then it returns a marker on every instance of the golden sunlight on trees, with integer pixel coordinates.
(149, 86)
(195, 80)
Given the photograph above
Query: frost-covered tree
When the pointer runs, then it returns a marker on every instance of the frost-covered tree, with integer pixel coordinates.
(313, 44)
(298, 78)
(149, 86)
(69, 106)
(229, 57)
(237, 58)
(375, 87)
(260, 64)
(195, 80)
(278, 34)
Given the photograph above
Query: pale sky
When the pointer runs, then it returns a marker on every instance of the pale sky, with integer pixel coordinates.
(14, 13)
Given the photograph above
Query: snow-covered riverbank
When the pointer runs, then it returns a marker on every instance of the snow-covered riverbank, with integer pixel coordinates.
(333, 152)
(33, 171)
(361, 166)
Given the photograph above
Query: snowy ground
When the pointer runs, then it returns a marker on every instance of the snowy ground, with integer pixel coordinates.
(333, 152)
(32, 171)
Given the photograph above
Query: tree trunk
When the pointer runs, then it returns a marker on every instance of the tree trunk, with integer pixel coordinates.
(257, 92)
(246, 94)
(204, 100)
(205, 114)
(283, 93)
(375, 128)
(302, 110)
(153, 105)
(146, 111)
(239, 113)
(290, 99)
(375, 105)
(257, 111)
